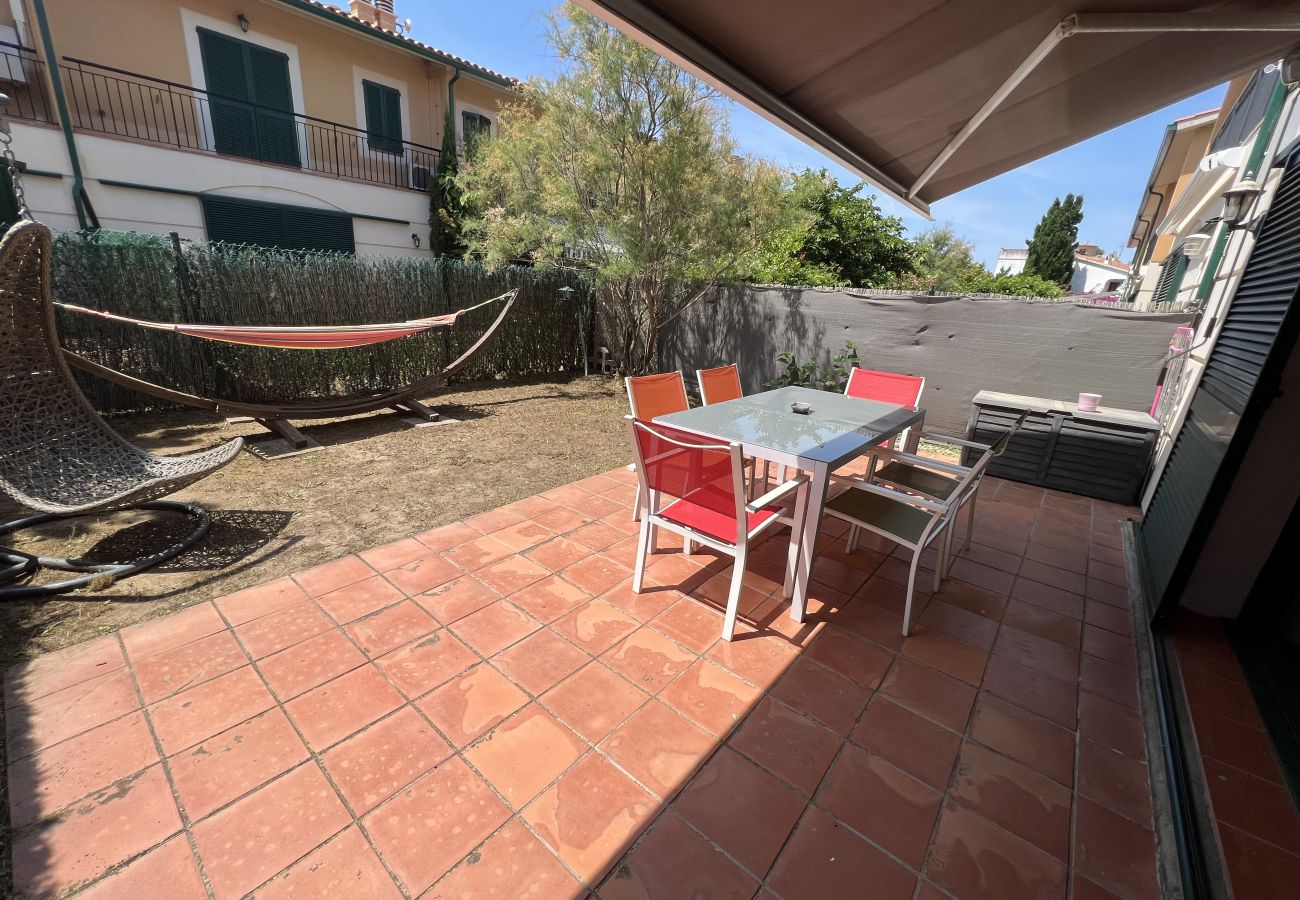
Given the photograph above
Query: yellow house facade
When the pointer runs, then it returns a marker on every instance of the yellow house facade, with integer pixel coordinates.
(282, 122)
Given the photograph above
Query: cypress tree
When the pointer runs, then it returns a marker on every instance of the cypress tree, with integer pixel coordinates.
(446, 206)
(1051, 251)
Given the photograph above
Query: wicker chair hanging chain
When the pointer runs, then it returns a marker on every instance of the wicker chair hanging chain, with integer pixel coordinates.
(11, 161)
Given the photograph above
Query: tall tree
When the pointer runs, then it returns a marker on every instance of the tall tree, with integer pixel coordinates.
(446, 205)
(841, 238)
(621, 163)
(945, 260)
(1051, 250)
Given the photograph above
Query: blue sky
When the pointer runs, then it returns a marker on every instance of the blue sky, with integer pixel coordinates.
(1110, 170)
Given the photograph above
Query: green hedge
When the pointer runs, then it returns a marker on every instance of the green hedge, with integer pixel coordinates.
(152, 277)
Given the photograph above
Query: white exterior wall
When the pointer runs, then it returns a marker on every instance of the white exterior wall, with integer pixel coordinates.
(195, 173)
(1092, 277)
(1011, 261)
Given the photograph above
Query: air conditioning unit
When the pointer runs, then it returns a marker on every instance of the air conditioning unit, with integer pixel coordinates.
(421, 177)
(13, 66)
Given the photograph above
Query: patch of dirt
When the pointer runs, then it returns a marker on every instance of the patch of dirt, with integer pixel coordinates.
(377, 480)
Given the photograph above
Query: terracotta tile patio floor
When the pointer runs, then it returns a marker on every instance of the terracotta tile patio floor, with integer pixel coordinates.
(486, 710)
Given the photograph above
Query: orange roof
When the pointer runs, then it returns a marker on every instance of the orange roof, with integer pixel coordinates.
(1103, 261)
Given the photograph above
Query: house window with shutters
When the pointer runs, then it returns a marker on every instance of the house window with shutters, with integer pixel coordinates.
(474, 127)
(277, 225)
(250, 99)
(383, 117)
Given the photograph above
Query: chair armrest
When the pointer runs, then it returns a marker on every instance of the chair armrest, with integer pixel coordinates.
(923, 462)
(777, 493)
(949, 439)
(910, 500)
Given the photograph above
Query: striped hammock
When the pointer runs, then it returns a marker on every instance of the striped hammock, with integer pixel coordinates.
(285, 337)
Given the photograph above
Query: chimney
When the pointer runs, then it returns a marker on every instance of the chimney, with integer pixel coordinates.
(378, 12)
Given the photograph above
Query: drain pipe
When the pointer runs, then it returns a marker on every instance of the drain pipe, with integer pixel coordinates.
(451, 101)
(61, 103)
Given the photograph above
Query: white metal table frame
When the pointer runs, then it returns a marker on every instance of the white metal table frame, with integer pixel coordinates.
(838, 430)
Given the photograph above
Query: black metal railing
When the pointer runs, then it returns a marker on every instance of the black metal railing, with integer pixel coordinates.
(22, 78)
(125, 104)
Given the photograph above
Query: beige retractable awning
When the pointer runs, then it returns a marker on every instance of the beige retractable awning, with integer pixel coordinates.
(926, 97)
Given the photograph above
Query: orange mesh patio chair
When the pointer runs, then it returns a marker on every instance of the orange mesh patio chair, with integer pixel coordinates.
(885, 387)
(719, 384)
(651, 396)
(703, 485)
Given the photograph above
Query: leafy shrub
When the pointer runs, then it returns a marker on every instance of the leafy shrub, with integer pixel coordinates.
(812, 374)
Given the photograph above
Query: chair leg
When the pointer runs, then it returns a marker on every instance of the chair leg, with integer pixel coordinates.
(733, 595)
(911, 592)
(941, 561)
(636, 503)
(642, 547)
(688, 546)
(970, 519)
(851, 542)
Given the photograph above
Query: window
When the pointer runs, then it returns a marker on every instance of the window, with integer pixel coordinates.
(249, 99)
(277, 225)
(383, 117)
(474, 127)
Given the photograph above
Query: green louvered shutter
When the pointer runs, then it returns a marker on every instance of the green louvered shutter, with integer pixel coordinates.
(1239, 381)
(230, 97)
(276, 225)
(277, 135)
(383, 117)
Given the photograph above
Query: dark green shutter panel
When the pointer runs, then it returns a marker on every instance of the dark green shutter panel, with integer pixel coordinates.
(276, 128)
(393, 118)
(230, 98)
(1168, 523)
(1171, 277)
(309, 229)
(241, 222)
(275, 225)
(1267, 289)
(383, 117)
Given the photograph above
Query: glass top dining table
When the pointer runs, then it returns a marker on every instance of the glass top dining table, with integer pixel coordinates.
(834, 431)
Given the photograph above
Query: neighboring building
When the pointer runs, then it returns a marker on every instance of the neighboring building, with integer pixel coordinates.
(1011, 260)
(1183, 150)
(283, 122)
(1097, 273)
(1094, 272)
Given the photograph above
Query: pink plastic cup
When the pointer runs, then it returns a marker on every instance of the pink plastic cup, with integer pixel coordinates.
(1089, 402)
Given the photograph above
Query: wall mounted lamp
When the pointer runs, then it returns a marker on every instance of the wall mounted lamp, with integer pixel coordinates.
(415, 239)
(1237, 203)
(243, 22)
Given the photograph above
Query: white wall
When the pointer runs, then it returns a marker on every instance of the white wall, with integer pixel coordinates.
(132, 209)
(1011, 261)
(1089, 278)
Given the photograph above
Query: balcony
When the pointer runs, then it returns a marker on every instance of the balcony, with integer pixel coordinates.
(114, 102)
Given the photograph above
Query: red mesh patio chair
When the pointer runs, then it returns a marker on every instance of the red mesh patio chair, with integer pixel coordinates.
(885, 387)
(704, 486)
(650, 396)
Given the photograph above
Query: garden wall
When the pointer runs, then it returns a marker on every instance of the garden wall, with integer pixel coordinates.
(150, 277)
(961, 345)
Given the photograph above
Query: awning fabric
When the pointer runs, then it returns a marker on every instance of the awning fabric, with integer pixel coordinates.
(884, 86)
